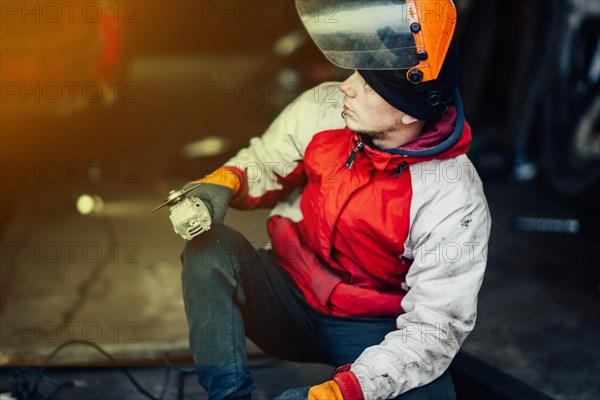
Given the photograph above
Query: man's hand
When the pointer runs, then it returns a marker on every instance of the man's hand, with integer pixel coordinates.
(326, 391)
(217, 198)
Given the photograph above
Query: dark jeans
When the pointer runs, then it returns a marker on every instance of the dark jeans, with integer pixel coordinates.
(231, 290)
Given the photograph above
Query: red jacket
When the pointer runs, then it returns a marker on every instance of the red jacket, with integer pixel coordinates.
(364, 232)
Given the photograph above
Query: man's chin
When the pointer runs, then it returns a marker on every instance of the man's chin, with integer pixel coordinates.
(353, 126)
(370, 134)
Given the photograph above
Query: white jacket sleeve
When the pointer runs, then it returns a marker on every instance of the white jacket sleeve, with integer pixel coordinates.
(273, 161)
(450, 226)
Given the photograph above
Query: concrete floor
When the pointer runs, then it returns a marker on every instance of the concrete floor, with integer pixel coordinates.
(540, 301)
(115, 280)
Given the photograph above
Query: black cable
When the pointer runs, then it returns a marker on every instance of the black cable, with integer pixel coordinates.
(183, 372)
(59, 388)
(177, 368)
(166, 378)
(40, 375)
(18, 388)
(35, 373)
(181, 386)
(101, 350)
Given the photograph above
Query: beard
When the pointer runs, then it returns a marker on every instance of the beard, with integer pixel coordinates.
(378, 135)
(380, 131)
(372, 134)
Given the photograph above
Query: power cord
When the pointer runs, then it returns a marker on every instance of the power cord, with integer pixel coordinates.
(20, 388)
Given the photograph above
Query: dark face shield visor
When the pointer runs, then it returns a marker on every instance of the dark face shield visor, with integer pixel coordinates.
(372, 35)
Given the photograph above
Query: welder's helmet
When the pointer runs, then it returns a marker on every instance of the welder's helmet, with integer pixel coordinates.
(401, 40)
(382, 34)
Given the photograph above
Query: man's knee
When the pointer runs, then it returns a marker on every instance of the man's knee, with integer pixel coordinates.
(219, 249)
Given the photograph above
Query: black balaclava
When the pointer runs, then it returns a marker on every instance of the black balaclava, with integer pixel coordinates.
(424, 101)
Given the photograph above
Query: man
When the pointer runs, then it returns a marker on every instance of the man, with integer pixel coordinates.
(379, 228)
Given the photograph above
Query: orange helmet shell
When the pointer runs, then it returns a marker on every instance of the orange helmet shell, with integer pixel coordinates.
(433, 23)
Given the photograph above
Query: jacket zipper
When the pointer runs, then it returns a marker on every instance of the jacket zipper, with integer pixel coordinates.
(350, 160)
(401, 167)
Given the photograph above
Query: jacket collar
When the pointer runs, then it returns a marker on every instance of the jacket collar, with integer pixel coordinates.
(447, 137)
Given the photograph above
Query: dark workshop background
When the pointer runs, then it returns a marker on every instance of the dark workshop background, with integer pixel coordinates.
(108, 105)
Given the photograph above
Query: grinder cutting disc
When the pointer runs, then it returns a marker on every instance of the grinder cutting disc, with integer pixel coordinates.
(174, 196)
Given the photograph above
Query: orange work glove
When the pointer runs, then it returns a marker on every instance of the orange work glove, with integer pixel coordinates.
(224, 177)
(329, 390)
(343, 386)
(216, 190)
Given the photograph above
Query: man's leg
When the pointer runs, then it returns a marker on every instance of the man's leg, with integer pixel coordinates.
(228, 285)
(440, 389)
(211, 293)
(347, 337)
(230, 290)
